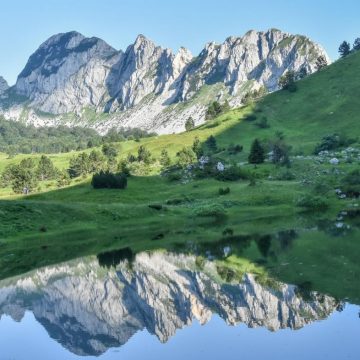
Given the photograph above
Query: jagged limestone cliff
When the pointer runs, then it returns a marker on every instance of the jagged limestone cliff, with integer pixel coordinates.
(75, 80)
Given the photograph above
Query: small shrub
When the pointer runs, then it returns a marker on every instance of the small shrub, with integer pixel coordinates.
(174, 176)
(200, 262)
(351, 183)
(228, 232)
(314, 203)
(224, 191)
(263, 123)
(175, 201)
(286, 175)
(108, 180)
(250, 118)
(225, 273)
(210, 210)
(235, 149)
(232, 173)
(155, 206)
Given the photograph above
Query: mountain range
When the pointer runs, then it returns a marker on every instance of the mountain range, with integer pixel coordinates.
(74, 80)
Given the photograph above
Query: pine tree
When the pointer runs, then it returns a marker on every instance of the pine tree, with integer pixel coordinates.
(197, 148)
(321, 62)
(63, 179)
(110, 151)
(165, 159)
(189, 124)
(79, 165)
(287, 81)
(211, 143)
(144, 155)
(97, 161)
(344, 49)
(185, 157)
(356, 46)
(257, 153)
(45, 169)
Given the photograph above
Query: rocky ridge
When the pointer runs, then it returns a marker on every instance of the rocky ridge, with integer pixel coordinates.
(74, 80)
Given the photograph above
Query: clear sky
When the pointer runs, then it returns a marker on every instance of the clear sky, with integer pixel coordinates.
(25, 24)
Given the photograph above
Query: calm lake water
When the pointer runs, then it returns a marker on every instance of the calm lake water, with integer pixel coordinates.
(163, 305)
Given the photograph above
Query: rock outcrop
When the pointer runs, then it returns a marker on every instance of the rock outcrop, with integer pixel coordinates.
(89, 310)
(71, 79)
(3, 85)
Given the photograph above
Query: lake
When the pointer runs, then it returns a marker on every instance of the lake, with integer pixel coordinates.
(164, 304)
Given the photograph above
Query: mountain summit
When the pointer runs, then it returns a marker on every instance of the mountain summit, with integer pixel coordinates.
(3, 85)
(74, 80)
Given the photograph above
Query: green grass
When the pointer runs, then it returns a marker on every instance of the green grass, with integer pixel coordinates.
(57, 225)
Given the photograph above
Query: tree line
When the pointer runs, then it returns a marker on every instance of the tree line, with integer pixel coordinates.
(16, 137)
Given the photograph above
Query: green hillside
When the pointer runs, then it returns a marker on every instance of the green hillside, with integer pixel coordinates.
(58, 224)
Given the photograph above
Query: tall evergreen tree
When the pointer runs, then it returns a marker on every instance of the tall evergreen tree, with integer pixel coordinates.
(344, 49)
(210, 143)
(197, 147)
(185, 157)
(79, 165)
(356, 46)
(165, 159)
(97, 161)
(110, 151)
(321, 62)
(46, 169)
(144, 155)
(189, 124)
(287, 81)
(257, 153)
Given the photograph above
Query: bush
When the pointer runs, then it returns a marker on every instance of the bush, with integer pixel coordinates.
(235, 149)
(250, 117)
(351, 183)
(287, 81)
(314, 203)
(155, 206)
(263, 123)
(108, 180)
(173, 175)
(285, 175)
(224, 191)
(333, 142)
(210, 210)
(232, 173)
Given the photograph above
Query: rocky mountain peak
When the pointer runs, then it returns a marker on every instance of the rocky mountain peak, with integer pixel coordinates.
(70, 72)
(3, 85)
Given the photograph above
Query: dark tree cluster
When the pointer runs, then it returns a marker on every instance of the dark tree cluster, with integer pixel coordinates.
(25, 176)
(109, 180)
(345, 47)
(215, 109)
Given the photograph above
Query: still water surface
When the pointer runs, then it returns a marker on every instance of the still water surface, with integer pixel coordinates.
(163, 305)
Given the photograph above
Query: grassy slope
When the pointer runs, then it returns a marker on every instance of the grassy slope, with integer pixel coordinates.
(81, 221)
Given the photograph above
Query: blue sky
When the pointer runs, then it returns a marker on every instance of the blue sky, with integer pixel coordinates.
(25, 24)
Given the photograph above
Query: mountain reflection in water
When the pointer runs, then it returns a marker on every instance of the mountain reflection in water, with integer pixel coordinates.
(90, 308)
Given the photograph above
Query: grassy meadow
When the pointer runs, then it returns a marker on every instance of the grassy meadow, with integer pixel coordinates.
(54, 225)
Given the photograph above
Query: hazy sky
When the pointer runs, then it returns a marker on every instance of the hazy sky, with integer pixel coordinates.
(25, 24)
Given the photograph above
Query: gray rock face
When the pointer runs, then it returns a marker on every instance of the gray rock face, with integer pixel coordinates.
(143, 87)
(88, 309)
(3, 85)
(67, 73)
